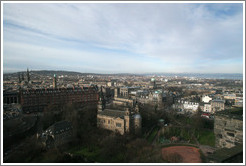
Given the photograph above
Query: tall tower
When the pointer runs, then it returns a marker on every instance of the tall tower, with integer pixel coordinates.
(127, 120)
(100, 106)
(19, 78)
(137, 122)
(101, 103)
(54, 81)
(153, 83)
(115, 92)
(28, 75)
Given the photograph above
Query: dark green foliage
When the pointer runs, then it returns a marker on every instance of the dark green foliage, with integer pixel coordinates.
(152, 135)
(112, 148)
(150, 117)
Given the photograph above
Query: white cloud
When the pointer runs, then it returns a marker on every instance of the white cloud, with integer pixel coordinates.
(178, 34)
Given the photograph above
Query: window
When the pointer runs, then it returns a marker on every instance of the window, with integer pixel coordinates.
(108, 121)
(118, 124)
(220, 135)
(231, 134)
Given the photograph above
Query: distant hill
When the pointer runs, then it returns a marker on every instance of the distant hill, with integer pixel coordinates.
(62, 72)
(50, 72)
(58, 72)
(234, 76)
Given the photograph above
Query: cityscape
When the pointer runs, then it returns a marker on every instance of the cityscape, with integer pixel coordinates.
(122, 83)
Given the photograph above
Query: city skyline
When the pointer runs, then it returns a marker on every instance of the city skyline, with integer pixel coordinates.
(123, 37)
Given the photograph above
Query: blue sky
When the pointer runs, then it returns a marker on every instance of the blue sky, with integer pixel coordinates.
(123, 38)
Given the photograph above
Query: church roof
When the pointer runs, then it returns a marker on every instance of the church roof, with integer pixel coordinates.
(112, 113)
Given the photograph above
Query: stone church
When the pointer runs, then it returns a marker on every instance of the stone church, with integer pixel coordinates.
(127, 121)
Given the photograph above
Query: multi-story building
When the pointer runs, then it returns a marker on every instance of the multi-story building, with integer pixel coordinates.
(239, 101)
(36, 100)
(125, 91)
(123, 101)
(10, 97)
(152, 84)
(207, 108)
(217, 105)
(156, 96)
(118, 120)
(230, 96)
(186, 106)
(206, 99)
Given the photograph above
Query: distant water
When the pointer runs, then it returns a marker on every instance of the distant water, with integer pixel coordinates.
(235, 76)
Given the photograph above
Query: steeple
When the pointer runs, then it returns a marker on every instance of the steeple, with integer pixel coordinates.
(28, 75)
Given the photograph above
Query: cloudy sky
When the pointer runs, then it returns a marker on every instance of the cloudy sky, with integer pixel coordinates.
(120, 38)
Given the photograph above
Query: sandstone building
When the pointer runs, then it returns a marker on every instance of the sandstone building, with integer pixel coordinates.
(127, 121)
(217, 105)
(122, 100)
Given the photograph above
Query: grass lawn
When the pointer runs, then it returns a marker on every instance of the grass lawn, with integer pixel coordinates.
(207, 138)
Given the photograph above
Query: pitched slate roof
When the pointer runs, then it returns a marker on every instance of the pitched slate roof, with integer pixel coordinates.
(60, 127)
(112, 113)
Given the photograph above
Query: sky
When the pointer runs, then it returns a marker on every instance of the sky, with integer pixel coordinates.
(123, 37)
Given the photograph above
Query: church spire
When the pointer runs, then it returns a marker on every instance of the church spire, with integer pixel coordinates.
(28, 75)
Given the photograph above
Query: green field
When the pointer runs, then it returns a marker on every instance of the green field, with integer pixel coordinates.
(206, 138)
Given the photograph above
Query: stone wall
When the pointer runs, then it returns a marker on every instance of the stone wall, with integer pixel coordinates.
(228, 131)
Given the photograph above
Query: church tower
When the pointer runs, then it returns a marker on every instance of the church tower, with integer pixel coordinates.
(100, 106)
(127, 120)
(116, 92)
(101, 103)
(19, 78)
(153, 83)
(28, 75)
(54, 82)
(137, 122)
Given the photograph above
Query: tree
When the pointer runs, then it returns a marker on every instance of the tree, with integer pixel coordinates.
(113, 148)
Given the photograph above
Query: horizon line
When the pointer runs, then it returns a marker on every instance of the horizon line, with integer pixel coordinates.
(122, 72)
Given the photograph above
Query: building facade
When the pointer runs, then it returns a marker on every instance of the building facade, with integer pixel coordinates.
(36, 100)
(186, 106)
(217, 105)
(10, 97)
(119, 121)
(121, 101)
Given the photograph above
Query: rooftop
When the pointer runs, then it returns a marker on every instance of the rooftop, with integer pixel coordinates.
(60, 127)
(218, 100)
(112, 113)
